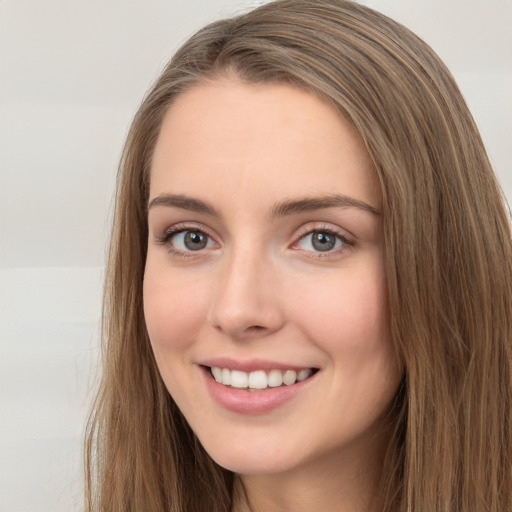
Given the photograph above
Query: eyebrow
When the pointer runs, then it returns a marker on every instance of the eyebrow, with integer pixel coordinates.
(309, 204)
(282, 209)
(183, 202)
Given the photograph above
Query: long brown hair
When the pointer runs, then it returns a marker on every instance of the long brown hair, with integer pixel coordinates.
(448, 253)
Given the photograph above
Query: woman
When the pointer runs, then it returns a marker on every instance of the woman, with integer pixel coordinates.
(309, 283)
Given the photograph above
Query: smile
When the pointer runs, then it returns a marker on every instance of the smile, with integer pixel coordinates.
(259, 379)
(256, 391)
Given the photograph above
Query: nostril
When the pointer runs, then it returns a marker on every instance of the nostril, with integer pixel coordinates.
(255, 330)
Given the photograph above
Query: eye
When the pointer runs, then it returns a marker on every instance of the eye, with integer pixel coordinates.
(189, 240)
(321, 241)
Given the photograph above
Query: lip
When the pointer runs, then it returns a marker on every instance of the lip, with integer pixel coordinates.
(253, 402)
(250, 365)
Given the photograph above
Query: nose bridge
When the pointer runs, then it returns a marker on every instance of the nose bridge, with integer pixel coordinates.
(246, 300)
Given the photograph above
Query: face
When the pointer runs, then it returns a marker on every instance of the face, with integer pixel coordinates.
(264, 289)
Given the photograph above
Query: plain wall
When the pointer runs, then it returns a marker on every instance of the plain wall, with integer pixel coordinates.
(72, 74)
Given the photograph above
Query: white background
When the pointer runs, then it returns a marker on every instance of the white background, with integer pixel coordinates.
(72, 74)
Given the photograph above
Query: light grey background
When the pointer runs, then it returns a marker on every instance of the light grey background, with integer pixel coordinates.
(72, 74)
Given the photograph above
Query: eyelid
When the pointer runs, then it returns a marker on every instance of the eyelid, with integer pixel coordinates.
(307, 229)
(168, 233)
(302, 232)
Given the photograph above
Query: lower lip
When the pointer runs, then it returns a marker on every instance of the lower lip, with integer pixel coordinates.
(253, 402)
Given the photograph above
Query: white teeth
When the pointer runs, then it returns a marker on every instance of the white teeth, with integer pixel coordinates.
(217, 374)
(289, 377)
(275, 378)
(259, 379)
(226, 377)
(239, 379)
(303, 375)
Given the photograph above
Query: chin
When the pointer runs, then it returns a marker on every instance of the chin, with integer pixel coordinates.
(251, 458)
(245, 464)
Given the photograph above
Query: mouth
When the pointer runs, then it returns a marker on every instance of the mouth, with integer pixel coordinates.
(259, 380)
(257, 386)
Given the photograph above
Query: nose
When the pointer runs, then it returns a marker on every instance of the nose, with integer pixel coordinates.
(246, 303)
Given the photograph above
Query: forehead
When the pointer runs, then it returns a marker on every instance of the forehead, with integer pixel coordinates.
(259, 138)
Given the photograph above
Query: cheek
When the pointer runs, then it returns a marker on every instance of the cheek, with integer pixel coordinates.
(349, 322)
(362, 347)
(349, 316)
(173, 311)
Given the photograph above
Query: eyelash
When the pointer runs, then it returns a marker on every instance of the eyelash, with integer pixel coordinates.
(322, 228)
(180, 228)
(176, 230)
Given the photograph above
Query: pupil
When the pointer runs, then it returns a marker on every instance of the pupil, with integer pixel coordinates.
(323, 241)
(195, 241)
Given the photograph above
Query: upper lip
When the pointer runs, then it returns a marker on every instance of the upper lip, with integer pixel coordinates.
(251, 365)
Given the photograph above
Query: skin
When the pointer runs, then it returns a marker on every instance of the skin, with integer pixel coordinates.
(261, 290)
